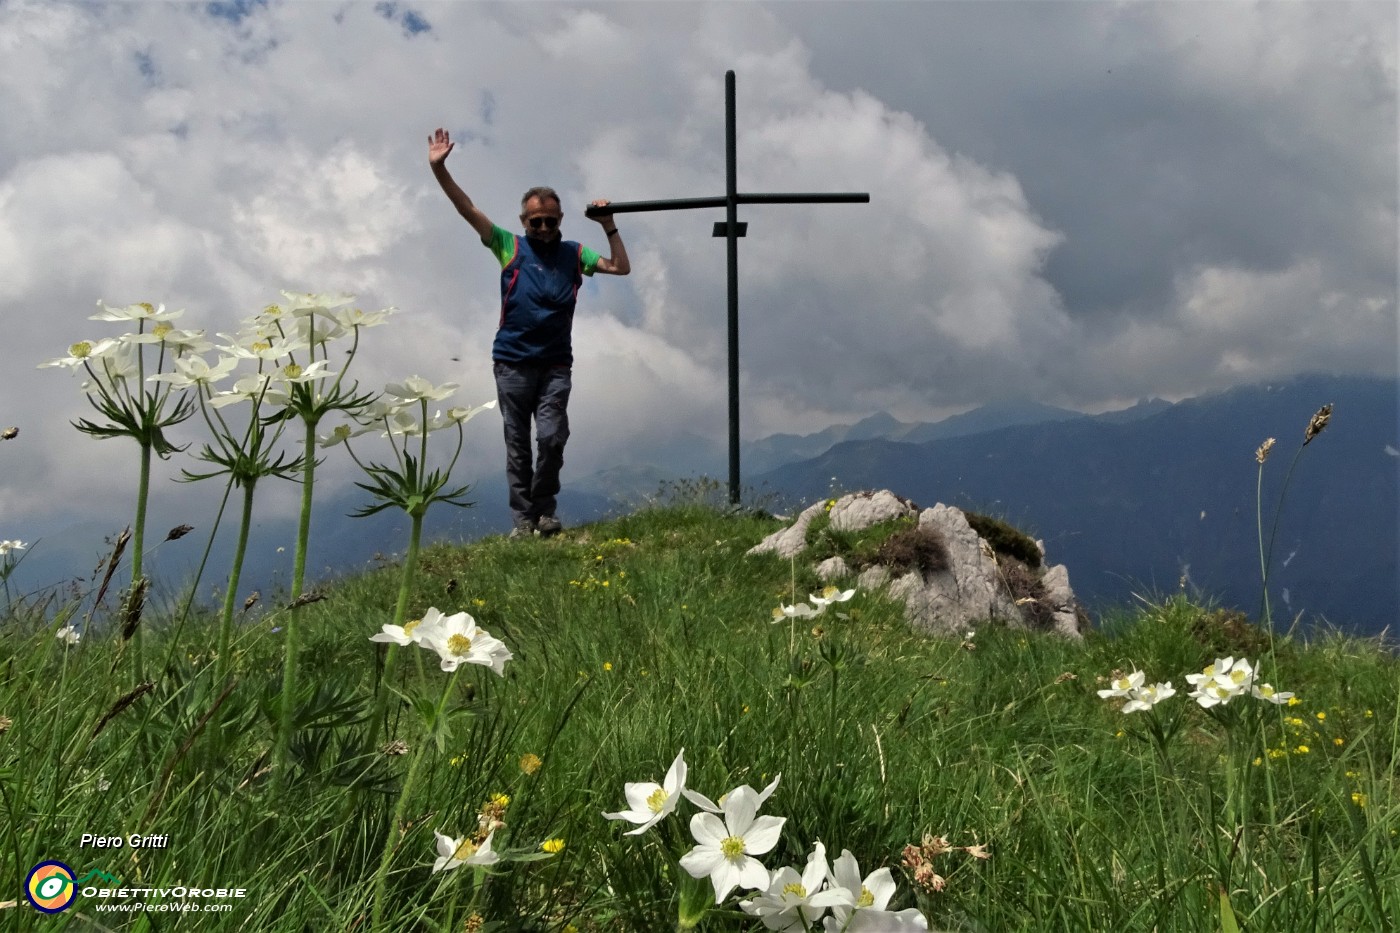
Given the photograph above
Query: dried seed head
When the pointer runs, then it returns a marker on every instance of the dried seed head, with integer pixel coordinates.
(306, 599)
(396, 747)
(9, 434)
(178, 532)
(935, 846)
(252, 600)
(1318, 422)
(135, 605)
(5, 723)
(1262, 453)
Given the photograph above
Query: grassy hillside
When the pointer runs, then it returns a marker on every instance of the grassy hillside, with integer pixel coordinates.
(632, 640)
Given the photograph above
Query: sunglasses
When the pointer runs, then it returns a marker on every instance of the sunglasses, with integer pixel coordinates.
(547, 223)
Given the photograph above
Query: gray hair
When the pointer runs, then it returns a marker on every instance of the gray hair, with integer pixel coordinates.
(544, 193)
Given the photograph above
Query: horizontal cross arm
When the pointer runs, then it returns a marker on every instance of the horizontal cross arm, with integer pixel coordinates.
(847, 197)
(683, 204)
(674, 204)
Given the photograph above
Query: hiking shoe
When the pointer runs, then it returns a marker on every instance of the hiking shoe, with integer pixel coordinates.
(548, 525)
(524, 528)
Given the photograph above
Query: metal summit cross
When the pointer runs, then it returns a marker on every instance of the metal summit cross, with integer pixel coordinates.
(731, 229)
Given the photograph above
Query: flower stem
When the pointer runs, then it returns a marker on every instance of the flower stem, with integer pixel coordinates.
(231, 594)
(410, 567)
(308, 479)
(143, 490)
(382, 875)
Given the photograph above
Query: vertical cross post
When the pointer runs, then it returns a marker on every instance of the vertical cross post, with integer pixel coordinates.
(731, 230)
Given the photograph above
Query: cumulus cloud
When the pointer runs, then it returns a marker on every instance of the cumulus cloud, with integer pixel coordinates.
(1077, 203)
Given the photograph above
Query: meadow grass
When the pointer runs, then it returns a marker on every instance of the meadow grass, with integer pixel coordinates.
(636, 637)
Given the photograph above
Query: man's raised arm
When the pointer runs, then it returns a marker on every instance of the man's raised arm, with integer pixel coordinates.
(439, 146)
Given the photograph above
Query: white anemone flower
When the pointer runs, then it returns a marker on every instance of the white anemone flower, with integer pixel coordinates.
(830, 595)
(1123, 686)
(1213, 693)
(1144, 698)
(195, 371)
(458, 640)
(869, 897)
(796, 611)
(68, 635)
(726, 848)
(458, 415)
(710, 806)
(1267, 692)
(454, 853)
(416, 388)
(338, 435)
(350, 318)
(81, 352)
(250, 387)
(267, 349)
(7, 546)
(1221, 682)
(142, 311)
(412, 632)
(307, 302)
(648, 802)
(292, 373)
(792, 902)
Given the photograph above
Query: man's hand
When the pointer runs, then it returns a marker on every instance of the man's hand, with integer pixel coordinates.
(617, 263)
(603, 218)
(439, 145)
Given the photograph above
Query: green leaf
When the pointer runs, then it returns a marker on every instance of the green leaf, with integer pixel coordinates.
(1228, 923)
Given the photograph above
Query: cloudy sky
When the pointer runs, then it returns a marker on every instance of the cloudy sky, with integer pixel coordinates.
(1081, 203)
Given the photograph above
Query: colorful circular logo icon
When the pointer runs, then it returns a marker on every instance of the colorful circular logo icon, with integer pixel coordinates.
(50, 887)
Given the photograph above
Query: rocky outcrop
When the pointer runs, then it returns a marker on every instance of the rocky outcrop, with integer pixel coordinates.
(948, 576)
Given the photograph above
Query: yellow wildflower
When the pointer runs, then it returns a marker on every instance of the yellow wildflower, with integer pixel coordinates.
(552, 846)
(530, 763)
(1359, 798)
(1302, 749)
(607, 665)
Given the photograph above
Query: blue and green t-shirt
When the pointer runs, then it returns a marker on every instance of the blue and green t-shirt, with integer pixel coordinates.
(539, 287)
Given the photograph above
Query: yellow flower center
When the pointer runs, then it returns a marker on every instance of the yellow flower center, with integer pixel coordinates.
(795, 889)
(149, 308)
(80, 350)
(732, 847)
(272, 310)
(465, 851)
(342, 431)
(866, 899)
(459, 645)
(163, 328)
(656, 800)
(408, 627)
(261, 345)
(291, 370)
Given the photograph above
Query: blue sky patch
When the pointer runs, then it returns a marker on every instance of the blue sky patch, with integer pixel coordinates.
(412, 21)
(235, 11)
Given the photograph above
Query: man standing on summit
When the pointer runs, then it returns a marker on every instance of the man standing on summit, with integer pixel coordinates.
(533, 353)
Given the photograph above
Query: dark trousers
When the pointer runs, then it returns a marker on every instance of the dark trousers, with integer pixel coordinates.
(525, 391)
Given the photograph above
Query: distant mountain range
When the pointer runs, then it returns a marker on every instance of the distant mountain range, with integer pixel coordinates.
(1134, 505)
(1131, 501)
